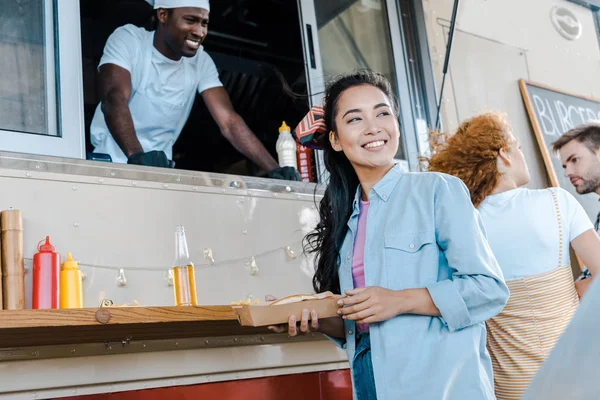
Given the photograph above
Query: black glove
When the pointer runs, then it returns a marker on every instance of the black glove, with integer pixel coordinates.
(155, 158)
(285, 173)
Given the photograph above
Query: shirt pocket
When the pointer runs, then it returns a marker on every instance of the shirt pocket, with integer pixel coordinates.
(411, 259)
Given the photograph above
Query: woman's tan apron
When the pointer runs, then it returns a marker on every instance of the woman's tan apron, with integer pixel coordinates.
(523, 334)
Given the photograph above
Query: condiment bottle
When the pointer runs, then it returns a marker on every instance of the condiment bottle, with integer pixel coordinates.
(13, 263)
(184, 277)
(71, 294)
(286, 147)
(46, 272)
(304, 159)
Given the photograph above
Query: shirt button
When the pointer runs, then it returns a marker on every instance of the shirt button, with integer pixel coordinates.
(412, 246)
(350, 332)
(384, 196)
(348, 257)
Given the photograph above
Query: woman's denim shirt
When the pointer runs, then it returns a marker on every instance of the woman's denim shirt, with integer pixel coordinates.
(423, 232)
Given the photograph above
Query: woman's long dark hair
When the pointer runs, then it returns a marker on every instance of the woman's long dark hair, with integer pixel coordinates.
(336, 205)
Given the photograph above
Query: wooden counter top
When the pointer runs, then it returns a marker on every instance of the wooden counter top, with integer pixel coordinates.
(98, 325)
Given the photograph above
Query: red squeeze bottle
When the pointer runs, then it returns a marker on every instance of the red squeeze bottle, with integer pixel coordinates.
(46, 272)
(304, 159)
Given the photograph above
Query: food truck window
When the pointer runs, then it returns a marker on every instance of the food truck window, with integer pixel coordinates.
(259, 58)
(355, 34)
(596, 11)
(420, 73)
(28, 85)
(594, 6)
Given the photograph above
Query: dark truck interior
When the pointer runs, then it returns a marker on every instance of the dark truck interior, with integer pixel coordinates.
(253, 51)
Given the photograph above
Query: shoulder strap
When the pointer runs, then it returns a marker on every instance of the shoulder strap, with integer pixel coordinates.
(560, 226)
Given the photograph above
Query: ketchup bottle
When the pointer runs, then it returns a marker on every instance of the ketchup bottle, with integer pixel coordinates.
(46, 271)
(304, 157)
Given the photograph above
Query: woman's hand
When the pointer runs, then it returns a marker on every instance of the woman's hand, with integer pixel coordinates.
(371, 304)
(376, 304)
(308, 323)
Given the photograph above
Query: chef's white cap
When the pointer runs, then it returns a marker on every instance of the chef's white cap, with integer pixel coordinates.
(179, 3)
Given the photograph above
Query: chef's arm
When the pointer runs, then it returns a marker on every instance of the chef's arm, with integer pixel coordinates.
(115, 91)
(235, 130)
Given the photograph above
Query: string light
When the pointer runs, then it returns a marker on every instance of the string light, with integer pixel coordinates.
(209, 256)
(170, 277)
(253, 267)
(121, 279)
(290, 253)
(250, 262)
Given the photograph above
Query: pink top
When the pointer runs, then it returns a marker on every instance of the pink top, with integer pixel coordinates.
(358, 257)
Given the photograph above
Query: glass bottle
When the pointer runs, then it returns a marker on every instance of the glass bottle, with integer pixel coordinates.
(184, 278)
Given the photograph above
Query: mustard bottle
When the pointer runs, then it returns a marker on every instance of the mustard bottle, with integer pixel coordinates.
(71, 294)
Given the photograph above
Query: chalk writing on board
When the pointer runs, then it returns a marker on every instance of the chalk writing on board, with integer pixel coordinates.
(552, 113)
(557, 117)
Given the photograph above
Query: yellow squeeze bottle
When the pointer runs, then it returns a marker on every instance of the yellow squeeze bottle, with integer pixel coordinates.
(71, 294)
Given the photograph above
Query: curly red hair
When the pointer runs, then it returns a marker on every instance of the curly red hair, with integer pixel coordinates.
(471, 153)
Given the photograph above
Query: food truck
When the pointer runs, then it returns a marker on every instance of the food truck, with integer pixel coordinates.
(536, 60)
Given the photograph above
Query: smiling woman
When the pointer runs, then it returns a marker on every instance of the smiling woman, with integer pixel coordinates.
(367, 116)
(394, 243)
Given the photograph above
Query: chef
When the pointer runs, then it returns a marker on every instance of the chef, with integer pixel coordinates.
(148, 84)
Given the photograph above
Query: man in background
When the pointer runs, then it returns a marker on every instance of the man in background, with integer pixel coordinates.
(579, 151)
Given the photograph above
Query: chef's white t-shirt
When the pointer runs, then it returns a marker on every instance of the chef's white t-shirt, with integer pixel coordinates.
(167, 80)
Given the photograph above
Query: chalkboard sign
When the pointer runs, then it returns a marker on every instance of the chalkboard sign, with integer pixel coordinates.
(552, 113)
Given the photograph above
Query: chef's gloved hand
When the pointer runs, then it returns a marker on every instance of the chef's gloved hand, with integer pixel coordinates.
(155, 158)
(285, 173)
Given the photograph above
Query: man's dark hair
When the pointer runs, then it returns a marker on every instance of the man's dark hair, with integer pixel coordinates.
(588, 134)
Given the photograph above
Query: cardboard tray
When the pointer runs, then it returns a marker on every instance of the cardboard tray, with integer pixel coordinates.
(265, 314)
